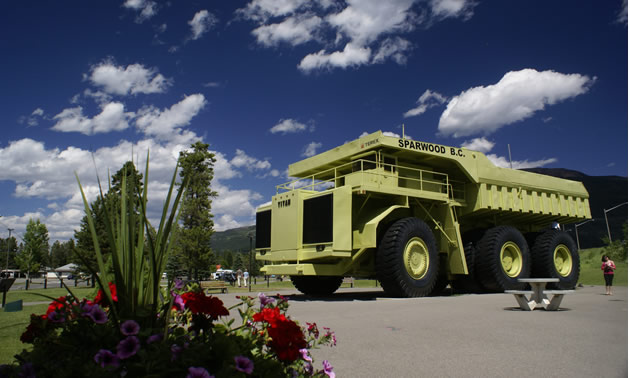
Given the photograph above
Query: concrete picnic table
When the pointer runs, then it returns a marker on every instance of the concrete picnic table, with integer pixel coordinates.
(538, 294)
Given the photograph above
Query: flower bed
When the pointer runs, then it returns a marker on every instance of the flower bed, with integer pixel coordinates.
(81, 338)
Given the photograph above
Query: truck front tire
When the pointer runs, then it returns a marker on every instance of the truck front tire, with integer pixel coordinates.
(555, 255)
(317, 285)
(407, 262)
(503, 259)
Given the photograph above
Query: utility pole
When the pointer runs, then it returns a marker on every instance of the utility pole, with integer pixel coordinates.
(8, 248)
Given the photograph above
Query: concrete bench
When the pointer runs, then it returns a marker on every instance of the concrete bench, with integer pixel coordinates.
(521, 298)
(556, 298)
(348, 280)
(213, 285)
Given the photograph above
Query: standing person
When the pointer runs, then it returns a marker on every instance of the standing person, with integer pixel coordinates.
(245, 277)
(608, 266)
(239, 276)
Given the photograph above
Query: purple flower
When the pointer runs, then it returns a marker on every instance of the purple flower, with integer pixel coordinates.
(155, 338)
(56, 317)
(176, 350)
(308, 368)
(198, 372)
(106, 358)
(178, 302)
(130, 328)
(127, 347)
(305, 355)
(244, 364)
(264, 300)
(97, 315)
(328, 369)
(179, 284)
(28, 371)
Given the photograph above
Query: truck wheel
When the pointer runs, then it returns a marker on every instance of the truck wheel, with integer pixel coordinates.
(407, 262)
(468, 284)
(555, 255)
(317, 285)
(503, 259)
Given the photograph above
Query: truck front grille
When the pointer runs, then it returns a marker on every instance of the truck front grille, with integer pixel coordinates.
(318, 220)
(263, 229)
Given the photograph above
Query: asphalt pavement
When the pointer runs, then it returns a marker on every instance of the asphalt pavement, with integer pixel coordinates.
(484, 335)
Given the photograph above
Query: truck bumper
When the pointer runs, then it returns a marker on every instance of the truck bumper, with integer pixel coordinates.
(303, 270)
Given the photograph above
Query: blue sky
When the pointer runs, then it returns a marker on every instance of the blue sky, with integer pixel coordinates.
(85, 86)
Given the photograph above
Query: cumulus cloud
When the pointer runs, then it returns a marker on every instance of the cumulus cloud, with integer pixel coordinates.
(517, 96)
(501, 161)
(201, 22)
(622, 17)
(482, 145)
(146, 8)
(288, 126)
(369, 30)
(112, 118)
(311, 149)
(442, 9)
(427, 100)
(133, 79)
(162, 124)
(351, 56)
(243, 160)
(293, 30)
(33, 118)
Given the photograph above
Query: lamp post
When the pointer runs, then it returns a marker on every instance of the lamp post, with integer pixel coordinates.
(251, 272)
(577, 236)
(606, 217)
(9, 248)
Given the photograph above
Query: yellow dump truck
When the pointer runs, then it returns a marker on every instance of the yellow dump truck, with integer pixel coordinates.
(418, 216)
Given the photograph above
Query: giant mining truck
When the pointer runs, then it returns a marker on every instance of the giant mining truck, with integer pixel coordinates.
(417, 216)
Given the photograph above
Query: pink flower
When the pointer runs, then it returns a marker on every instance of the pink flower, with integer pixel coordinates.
(328, 369)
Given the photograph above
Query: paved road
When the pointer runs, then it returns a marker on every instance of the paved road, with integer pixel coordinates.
(469, 335)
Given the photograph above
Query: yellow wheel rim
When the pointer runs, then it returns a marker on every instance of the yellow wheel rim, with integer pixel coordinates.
(511, 259)
(416, 258)
(563, 260)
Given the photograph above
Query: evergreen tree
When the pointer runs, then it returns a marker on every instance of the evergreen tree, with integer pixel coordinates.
(196, 217)
(61, 253)
(11, 248)
(35, 251)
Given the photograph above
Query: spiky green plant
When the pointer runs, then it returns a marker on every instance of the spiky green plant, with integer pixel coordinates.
(139, 255)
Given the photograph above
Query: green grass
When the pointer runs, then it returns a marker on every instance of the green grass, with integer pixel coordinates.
(12, 325)
(591, 272)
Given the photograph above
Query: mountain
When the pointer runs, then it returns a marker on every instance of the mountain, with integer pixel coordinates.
(605, 192)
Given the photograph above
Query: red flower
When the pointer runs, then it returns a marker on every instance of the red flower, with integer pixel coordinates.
(287, 337)
(100, 296)
(57, 304)
(199, 303)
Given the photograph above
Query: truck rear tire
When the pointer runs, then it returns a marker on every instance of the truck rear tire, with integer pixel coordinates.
(555, 255)
(407, 262)
(503, 259)
(317, 285)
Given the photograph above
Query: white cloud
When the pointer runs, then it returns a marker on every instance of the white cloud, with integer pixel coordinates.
(517, 96)
(429, 99)
(163, 124)
(395, 48)
(132, 79)
(501, 161)
(351, 56)
(33, 118)
(482, 145)
(147, 9)
(288, 126)
(112, 118)
(452, 8)
(262, 10)
(293, 30)
(201, 22)
(243, 160)
(622, 17)
(311, 149)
